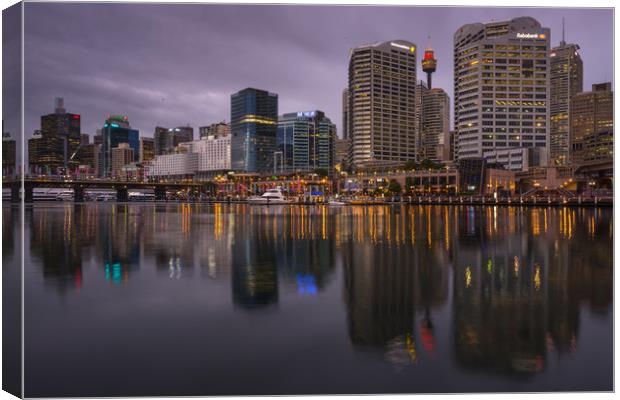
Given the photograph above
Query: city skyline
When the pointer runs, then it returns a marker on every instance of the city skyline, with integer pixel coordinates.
(163, 91)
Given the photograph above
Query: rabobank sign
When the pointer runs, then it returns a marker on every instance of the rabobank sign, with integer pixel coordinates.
(524, 35)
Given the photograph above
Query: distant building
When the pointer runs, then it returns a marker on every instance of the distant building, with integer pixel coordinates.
(420, 94)
(166, 139)
(501, 86)
(173, 166)
(9, 155)
(566, 82)
(382, 87)
(218, 129)
(116, 130)
(346, 120)
(59, 138)
(213, 155)
(84, 139)
(435, 137)
(342, 149)
(592, 125)
(305, 143)
(86, 155)
(146, 149)
(253, 121)
(122, 155)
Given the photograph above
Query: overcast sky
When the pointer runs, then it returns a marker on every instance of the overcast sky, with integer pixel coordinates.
(169, 65)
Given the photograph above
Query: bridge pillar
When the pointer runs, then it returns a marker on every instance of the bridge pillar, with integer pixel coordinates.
(122, 195)
(160, 193)
(78, 193)
(28, 194)
(15, 193)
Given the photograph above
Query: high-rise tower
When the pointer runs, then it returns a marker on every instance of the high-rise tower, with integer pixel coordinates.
(429, 65)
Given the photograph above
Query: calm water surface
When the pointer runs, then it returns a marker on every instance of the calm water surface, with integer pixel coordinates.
(176, 299)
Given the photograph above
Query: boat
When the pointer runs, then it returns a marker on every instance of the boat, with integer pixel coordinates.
(65, 195)
(336, 203)
(271, 196)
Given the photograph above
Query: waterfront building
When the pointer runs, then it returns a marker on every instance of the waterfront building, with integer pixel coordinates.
(9, 154)
(146, 149)
(501, 86)
(218, 129)
(592, 125)
(519, 158)
(58, 139)
(566, 81)
(342, 149)
(346, 114)
(213, 155)
(167, 139)
(116, 130)
(382, 87)
(420, 94)
(121, 155)
(435, 134)
(253, 120)
(305, 143)
(173, 166)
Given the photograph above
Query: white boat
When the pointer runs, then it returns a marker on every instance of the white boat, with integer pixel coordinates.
(66, 195)
(336, 203)
(271, 196)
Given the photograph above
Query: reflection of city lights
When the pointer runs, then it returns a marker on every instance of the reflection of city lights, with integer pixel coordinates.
(467, 277)
(411, 348)
(490, 266)
(537, 277)
(516, 266)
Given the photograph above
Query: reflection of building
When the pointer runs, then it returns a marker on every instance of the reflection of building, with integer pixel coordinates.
(253, 122)
(58, 140)
(592, 125)
(566, 81)
(305, 143)
(116, 130)
(501, 86)
(382, 87)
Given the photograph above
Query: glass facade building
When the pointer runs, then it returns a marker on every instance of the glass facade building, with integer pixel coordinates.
(305, 143)
(116, 130)
(254, 119)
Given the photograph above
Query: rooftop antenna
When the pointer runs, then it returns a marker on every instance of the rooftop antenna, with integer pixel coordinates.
(562, 43)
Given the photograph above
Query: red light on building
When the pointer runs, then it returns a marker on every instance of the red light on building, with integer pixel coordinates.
(76, 117)
(429, 54)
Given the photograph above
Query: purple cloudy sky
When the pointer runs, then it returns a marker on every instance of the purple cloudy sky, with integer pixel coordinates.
(175, 64)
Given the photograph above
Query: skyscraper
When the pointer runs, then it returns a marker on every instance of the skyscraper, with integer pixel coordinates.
(254, 119)
(592, 125)
(116, 130)
(501, 86)
(146, 149)
(382, 87)
(122, 155)
(436, 125)
(9, 154)
(346, 121)
(58, 140)
(166, 139)
(305, 143)
(218, 129)
(420, 92)
(566, 81)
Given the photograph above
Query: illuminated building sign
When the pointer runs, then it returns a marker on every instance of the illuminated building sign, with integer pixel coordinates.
(308, 114)
(402, 46)
(521, 35)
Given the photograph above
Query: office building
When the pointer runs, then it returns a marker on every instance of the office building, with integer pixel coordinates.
(253, 120)
(382, 87)
(520, 159)
(9, 154)
(146, 149)
(213, 155)
(592, 125)
(566, 82)
(86, 155)
(435, 135)
(173, 166)
(121, 155)
(58, 140)
(116, 130)
(342, 149)
(218, 129)
(346, 120)
(501, 86)
(305, 143)
(420, 94)
(167, 139)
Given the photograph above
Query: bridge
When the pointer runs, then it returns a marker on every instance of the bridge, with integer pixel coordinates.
(79, 186)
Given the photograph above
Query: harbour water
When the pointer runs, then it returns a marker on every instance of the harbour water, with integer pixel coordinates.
(178, 299)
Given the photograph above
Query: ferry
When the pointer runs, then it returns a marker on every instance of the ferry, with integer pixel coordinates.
(140, 196)
(271, 196)
(65, 195)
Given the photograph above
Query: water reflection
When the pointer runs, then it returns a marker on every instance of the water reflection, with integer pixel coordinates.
(492, 289)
